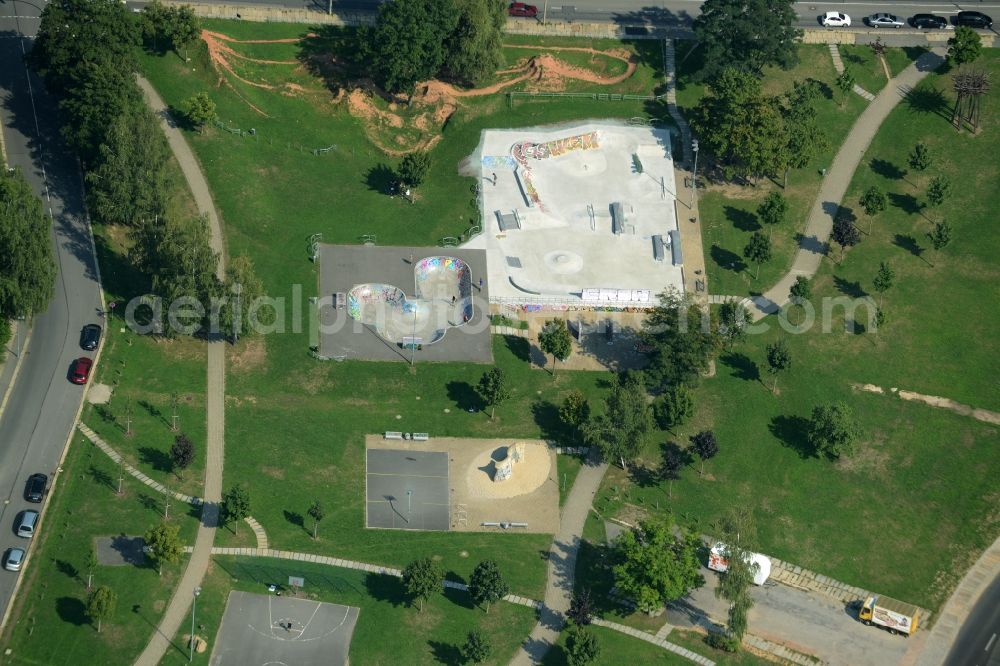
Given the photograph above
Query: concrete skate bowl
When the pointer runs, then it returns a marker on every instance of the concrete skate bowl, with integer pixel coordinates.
(443, 300)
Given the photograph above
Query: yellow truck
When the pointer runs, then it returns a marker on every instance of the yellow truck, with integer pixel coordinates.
(898, 617)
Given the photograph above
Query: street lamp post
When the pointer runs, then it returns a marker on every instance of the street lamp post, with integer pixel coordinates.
(194, 609)
(694, 180)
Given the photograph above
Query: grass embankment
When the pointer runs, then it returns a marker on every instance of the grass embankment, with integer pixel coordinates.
(388, 630)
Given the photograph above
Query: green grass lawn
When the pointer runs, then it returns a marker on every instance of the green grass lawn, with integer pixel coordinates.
(389, 631)
(926, 477)
(49, 625)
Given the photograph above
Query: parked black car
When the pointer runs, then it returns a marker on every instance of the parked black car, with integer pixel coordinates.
(34, 490)
(90, 335)
(974, 20)
(928, 22)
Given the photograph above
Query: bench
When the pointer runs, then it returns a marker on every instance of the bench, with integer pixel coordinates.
(420, 437)
(394, 435)
(658, 247)
(675, 247)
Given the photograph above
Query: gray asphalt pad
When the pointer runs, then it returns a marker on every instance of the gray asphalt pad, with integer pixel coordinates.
(268, 630)
(407, 490)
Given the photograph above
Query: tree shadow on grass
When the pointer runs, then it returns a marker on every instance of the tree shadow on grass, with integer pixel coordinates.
(546, 416)
(824, 88)
(730, 261)
(380, 178)
(295, 519)
(446, 653)
(742, 219)
(460, 598)
(742, 365)
(64, 567)
(149, 502)
(928, 99)
(158, 459)
(382, 587)
(330, 53)
(100, 477)
(793, 433)
(886, 169)
(905, 202)
(519, 347)
(847, 288)
(910, 244)
(464, 395)
(71, 610)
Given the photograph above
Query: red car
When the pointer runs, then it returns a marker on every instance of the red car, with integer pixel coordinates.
(521, 9)
(79, 372)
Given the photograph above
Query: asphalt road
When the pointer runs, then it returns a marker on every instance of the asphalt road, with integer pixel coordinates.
(43, 404)
(978, 642)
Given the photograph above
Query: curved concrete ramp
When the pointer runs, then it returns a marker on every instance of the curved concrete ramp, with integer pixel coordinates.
(443, 300)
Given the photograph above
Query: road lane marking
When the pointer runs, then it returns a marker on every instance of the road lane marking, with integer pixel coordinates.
(990, 644)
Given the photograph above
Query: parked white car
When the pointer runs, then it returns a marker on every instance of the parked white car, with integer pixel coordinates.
(836, 20)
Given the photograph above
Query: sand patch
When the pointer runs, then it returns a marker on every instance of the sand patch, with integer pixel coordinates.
(527, 476)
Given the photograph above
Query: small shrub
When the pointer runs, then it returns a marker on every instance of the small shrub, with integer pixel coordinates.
(722, 642)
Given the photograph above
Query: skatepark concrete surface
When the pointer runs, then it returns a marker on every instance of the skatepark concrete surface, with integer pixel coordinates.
(376, 299)
(558, 184)
(265, 629)
(530, 495)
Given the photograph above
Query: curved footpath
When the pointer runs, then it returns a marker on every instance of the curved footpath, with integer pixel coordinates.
(815, 237)
(214, 402)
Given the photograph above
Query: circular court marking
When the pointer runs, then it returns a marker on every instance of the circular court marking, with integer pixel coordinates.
(563, 262)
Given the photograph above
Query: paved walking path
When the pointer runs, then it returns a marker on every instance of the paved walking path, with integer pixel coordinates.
(562, 565)
(114, 455)
(214, 403)
(670, 75)
(258, 531)
(813, 244)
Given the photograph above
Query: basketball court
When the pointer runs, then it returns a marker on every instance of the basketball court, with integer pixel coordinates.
(268, 630)
(407, 490)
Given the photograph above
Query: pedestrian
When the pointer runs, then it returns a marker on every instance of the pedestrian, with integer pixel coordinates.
(480, 284)
(453, 299)
(494, 179)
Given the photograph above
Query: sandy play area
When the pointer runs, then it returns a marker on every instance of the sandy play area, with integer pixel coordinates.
(529, 495)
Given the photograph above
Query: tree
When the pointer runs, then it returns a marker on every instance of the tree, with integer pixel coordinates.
(414, 167)
(884, 280)
(705, 445)
(477, 647)
(162, 26)
(674, 407)
(805, 138)
(873, 201)
(738, 534)
(486, 584)
(772, 211)
(101, 605)
(938, 190)
(582, 648)
(316, 513)
(801, 289)
(845, 234)
(243, 290)
(941, 235)
(199, 109)
(672, 461)
(574, 411)
(581, 608)
(779, 359)
(729, 32)
(475, 48)
(182, 452)
(965, 46)
(493, 388)
(682, 341)
(91, 565)
(920, 157)
(620, 433)
(845, 81)
(96, 91)
(185, 29)
(235, 505)
(733, 321)
(422, 578)
(741, 127)
(832, 430)
(555, 339)
(758, 250)
(129, 178)
(163, 544)
(653, 566)
(408, 42)
(28, 271)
